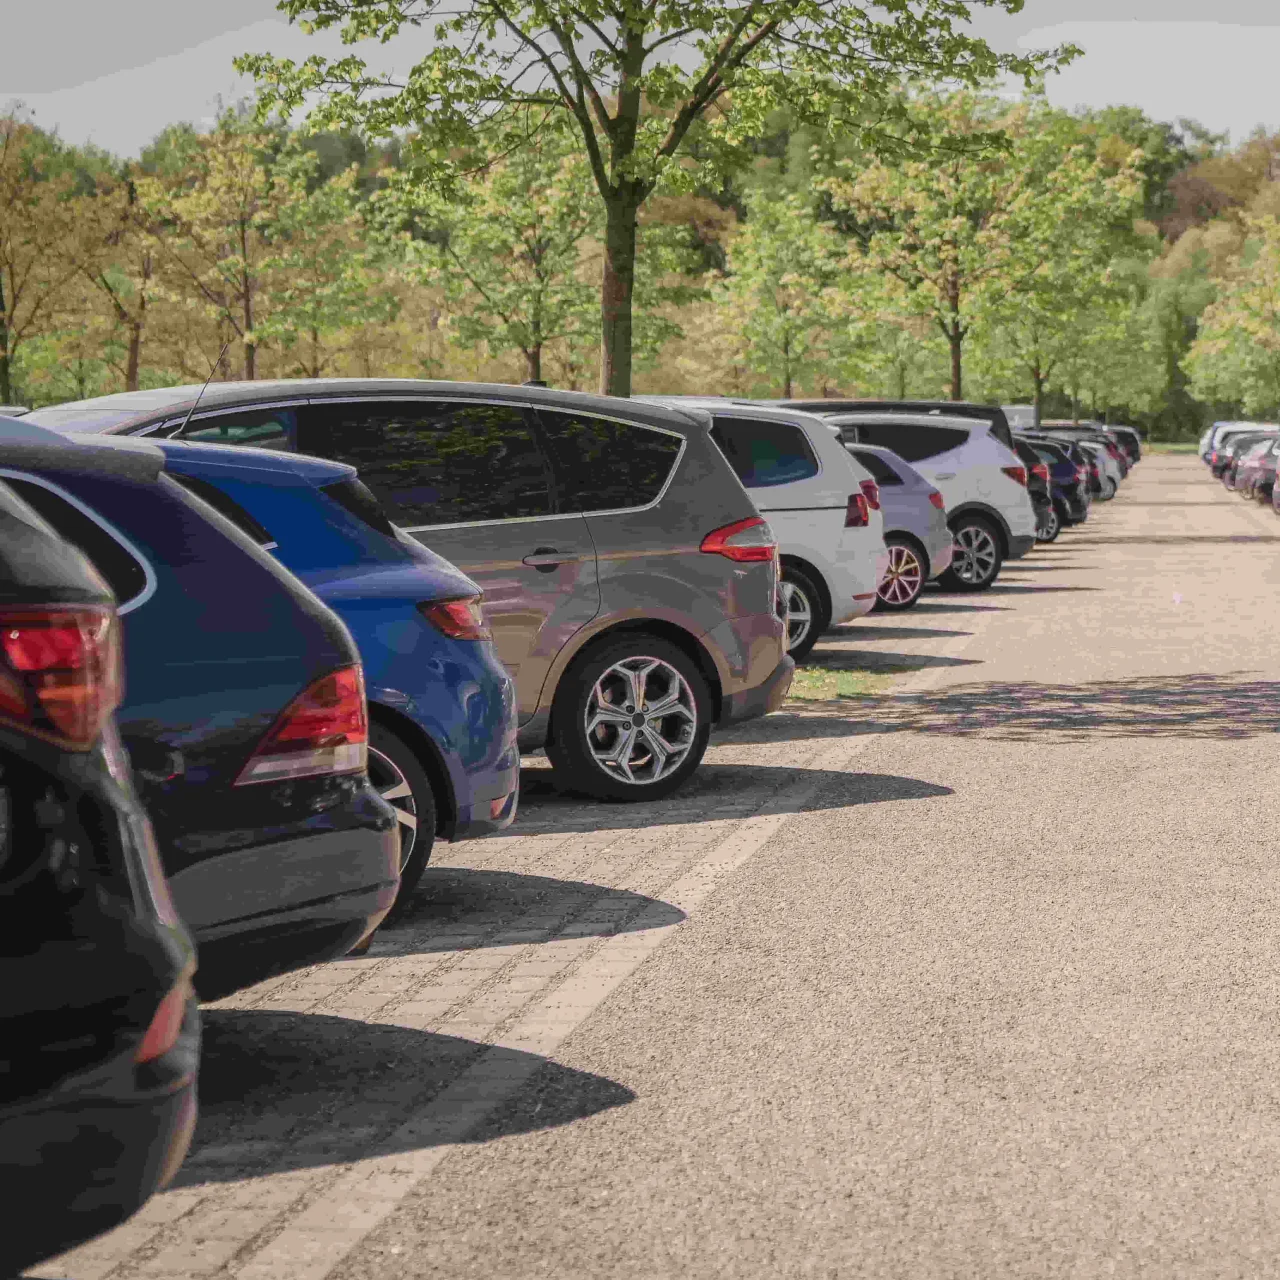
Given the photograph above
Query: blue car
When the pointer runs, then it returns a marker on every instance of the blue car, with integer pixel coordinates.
(442, 734)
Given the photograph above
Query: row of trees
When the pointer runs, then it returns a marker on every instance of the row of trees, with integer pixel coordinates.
(1028, 254)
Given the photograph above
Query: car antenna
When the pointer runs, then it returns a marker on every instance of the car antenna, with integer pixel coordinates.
(203, 389)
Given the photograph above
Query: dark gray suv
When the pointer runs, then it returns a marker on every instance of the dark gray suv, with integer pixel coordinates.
(629, 582)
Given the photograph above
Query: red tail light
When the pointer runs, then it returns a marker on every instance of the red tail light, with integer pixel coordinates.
(1081, 475)
(937, 499)
(1213, 458)
(747, 541)
(1093, 471)
(325, 729)
(166, 1026)
(1016, 473)
(1041, 469)
(872, 492)
(457, 619)
(857, 513)
(63, 678)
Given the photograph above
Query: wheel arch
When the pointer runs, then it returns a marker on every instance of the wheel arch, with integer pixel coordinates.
(992, 516)
(431, 760)
(921, 550)
(811, 570)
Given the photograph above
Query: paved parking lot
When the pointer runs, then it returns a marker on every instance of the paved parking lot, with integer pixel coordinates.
(975, 977)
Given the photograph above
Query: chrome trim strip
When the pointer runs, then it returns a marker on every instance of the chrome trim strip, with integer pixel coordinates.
(109, 529)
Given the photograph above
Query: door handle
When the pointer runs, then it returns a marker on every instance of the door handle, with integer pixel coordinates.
(545, 559)
(945, 475)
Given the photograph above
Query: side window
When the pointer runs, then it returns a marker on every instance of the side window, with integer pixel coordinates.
(121, 571)
(435, 462)
(764, 453)
(225, 505)
(605, 465)
(262, 428)
(881, 471)
(911, 442)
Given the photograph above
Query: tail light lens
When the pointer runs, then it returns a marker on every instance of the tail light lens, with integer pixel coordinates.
(1041, 470)
(1093, 471)
(166, 1026)
(747, 541)
(937, 499)
(60, 676)
(1213, 458)
(1016, 473)
(872, 492)
(457, 619)
(857, 513)
(325, 729)
(1081, 474)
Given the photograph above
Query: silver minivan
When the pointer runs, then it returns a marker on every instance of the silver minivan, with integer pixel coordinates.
(629, 582)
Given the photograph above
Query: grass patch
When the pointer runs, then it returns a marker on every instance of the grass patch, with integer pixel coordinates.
(822, 684)
(1175, 446)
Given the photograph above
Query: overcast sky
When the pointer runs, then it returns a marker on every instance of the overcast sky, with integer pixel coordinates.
(116, 74)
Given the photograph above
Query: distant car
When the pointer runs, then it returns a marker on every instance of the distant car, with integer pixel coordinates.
(916, 532)
(1213, 437)
(101, 1031)
(992, 414)
(1248, 467)
(629, 582)
(244, 715)
(442, 733)
(1108, 469)
(1130, 440)
(1230, 448)
(1039, 486)
(822, 505)
(981, 479)
(1068, 477)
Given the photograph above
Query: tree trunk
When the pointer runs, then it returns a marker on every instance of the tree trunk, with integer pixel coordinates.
(134, 358)
(533, 362)
(786, 367)
(1038, 397)
(617, 287)
(955, 340)
(6, 387)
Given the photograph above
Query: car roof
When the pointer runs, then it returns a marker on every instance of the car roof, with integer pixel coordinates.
(913, 420)
(128, 408)
(265, 465)
(137, 460)
(765, 412)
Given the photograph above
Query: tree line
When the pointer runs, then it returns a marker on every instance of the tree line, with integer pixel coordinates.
(1089, 262)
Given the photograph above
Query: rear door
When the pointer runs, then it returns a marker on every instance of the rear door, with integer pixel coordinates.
(471, 480)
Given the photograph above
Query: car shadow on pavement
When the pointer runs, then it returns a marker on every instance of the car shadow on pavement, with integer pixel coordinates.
(874, 659)
(1189, 706)
(503, 908)
(281, 1092)
(1011, 588)
(855, 631)
(939, 601)
(1175, 539)
(715, 791)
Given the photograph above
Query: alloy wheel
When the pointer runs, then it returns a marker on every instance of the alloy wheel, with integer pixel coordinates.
(1050, 525)
(977, 553)
(640, 720)
(391, 784)
(797, 611)
(905, 577)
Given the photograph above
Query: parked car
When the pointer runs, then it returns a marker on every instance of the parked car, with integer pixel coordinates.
(101, 1030)
(1213, 437)
(1039, 488)
(822, 505)
(623, 564)
(916, 532)
(1108, 470)
(982, 481)
(1229, 450)
(1130, 440)
(442, 719)
(992, 414)
(1243, 474)
(1068, 476)
(244, 715)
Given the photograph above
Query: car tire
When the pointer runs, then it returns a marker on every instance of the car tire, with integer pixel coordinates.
(977, 559)
(908, 570)
(804, 610)
(610, 757)
(399, 778)
(1049, 525)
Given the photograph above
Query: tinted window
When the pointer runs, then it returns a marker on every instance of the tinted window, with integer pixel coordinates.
(914, 443)
(123, 574)
(435, 462)
(359, 501)
(764, 453)
(262, 428)
(881, 471)
(226, 506)
(602, 465)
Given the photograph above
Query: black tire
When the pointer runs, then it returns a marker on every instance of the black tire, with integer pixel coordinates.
(908, 571)
(799, 589)
(579, 760)
(398, 776)
(1049, 526)
(976, 572)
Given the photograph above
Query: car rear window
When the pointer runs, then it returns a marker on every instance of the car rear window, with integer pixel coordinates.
(227, 506)
(882, 472)
(909, 440)
(762, 453)
(358, 500)
(126, 577)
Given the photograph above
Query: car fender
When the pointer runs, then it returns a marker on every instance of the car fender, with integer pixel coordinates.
(984, 509)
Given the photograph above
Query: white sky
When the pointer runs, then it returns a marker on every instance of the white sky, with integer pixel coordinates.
(117, 73)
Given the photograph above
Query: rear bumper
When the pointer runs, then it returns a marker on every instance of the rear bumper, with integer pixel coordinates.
(1020, 544)
(81, 1161)
(764, 698)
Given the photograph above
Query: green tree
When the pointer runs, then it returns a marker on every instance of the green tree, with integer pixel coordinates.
(633, 77)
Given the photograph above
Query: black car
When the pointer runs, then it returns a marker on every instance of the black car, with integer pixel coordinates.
(1048, 525)
(98, 1018)
(244, 714)
(1068, 477)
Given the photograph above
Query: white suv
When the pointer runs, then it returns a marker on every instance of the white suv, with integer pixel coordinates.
(823, 508)
(982, 481)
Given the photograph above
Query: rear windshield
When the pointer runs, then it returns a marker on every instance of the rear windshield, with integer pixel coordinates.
(908, 440)
(882, 472)
(764, 453)
(359, 500)
(227, 506)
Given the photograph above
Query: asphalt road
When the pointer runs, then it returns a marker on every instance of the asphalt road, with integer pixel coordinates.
(970, 979)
